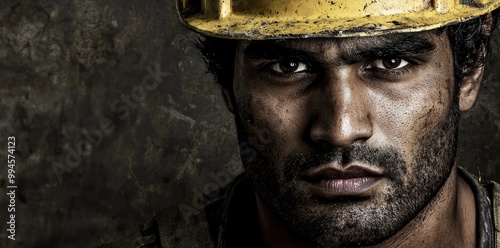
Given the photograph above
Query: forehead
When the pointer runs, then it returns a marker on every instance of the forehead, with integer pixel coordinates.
(394, 44)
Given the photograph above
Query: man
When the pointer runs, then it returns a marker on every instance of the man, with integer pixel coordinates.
(348, 114)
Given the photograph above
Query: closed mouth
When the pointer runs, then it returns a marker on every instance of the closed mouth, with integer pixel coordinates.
(353, 180)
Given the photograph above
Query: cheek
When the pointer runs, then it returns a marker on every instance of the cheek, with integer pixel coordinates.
(266, 116)
(415, 115)
(272, 118)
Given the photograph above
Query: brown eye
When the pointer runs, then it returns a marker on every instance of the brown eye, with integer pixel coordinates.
(289, 67)
(389, 63)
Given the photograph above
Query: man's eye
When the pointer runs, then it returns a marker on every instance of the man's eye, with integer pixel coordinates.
(389, 63)
(289, 67)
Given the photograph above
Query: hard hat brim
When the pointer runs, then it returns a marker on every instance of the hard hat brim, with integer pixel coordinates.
(258, 28)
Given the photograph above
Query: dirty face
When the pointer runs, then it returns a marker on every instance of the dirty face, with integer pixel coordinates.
(346, 140)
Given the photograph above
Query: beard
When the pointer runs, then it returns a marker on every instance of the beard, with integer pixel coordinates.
(351, 221)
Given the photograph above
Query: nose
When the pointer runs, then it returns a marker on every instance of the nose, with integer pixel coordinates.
(343, 110)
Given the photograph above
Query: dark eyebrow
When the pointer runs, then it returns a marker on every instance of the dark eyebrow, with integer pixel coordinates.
(406, 45)
(358, 49)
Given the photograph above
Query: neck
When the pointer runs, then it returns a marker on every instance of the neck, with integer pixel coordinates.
(447, 221)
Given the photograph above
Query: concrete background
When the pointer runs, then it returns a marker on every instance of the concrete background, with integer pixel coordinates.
(115, 119)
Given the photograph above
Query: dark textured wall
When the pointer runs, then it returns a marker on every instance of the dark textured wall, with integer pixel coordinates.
(115, 119)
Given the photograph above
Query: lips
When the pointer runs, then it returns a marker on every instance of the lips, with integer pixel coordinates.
(353, 180)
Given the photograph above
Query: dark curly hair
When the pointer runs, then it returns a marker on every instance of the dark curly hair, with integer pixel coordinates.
(469, 41)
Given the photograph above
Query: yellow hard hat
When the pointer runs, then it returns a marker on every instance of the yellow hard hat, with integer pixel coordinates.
(272, 19)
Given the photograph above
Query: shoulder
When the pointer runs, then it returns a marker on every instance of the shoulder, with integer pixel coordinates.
(198, 224)
(494, 193)
(144, 237)
(495, 198)
(487, 200)
(185, 225)
(167, 229)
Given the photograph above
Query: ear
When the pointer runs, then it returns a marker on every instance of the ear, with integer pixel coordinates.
(229, 99)
(469, 88)
(471, 82)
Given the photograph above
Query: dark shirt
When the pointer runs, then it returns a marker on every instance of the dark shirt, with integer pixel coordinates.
(230, 220)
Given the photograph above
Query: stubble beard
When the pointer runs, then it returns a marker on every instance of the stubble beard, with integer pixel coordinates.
(350, 221)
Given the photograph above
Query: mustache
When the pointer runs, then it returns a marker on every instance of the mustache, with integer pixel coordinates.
(389, 159)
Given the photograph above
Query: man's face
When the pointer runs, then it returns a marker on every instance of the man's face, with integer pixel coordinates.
(349, 138)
